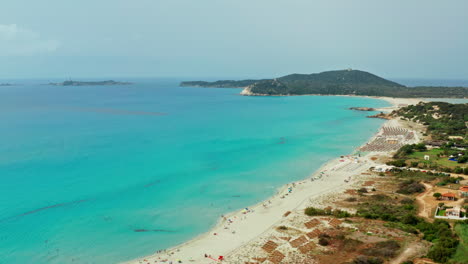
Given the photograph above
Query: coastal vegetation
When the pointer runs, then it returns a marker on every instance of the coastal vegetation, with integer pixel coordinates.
(446, 131)
(461, 254)
(400, 212)
(340, 82)
(396, 206)
(444, 121)
(312, 211)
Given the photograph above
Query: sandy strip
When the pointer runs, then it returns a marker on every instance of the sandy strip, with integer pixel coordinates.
(238, 228)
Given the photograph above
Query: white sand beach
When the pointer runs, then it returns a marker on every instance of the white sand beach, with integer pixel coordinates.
(239, 228)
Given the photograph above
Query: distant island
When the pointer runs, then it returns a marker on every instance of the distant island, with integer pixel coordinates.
(220, 84)
(341, 82)
(6, 84)
(77, 83)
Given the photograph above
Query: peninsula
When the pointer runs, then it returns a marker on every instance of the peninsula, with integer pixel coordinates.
(90, 83)
(340, 82)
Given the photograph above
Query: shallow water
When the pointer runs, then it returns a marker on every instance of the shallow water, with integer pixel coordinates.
(107, 174)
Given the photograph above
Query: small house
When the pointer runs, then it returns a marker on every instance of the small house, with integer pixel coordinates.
(464, 191)
(448, 196)
(453, 212)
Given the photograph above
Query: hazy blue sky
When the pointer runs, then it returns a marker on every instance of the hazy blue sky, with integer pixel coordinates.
(245, 38)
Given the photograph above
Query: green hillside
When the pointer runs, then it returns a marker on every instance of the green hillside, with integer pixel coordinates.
(342, 82)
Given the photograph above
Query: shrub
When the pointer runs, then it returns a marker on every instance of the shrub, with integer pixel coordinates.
(410, 219)
(324, 241)
(402, 227)
(410, 187)
(385, 249)
(406, 200)
(462, 159)
(367, 260)
(362, 190)
(312, 211)
(351, 199)
(441, 254)
(380, 197)
(444, 241)
(397, 163)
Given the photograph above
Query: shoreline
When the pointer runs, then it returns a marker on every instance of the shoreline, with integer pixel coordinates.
(238, 228)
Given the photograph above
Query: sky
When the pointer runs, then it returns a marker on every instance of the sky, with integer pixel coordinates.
(227, 38)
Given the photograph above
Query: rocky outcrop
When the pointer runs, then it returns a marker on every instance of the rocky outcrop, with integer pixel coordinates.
(381, 115)
(362, 108)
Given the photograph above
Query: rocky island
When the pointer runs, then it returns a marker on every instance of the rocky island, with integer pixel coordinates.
(90, 83)
(341, 82)
(362, 108)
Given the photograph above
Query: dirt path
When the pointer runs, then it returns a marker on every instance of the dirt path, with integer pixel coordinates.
(424, 210)
(413, 250)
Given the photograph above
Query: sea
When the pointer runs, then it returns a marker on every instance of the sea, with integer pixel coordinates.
(106, 174)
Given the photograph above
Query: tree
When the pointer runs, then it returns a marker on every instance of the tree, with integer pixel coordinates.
(437, 195)
(462, 159)
(397, 163)
(420, 147)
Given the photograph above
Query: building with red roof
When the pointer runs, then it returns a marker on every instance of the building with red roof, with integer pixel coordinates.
(464, 191)
(449, 196)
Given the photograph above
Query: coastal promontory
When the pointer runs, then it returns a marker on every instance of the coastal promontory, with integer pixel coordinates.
(340, 82)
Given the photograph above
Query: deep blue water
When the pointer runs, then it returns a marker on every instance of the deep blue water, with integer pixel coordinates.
(83, 168)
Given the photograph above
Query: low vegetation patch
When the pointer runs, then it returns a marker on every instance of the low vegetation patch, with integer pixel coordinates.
(442, 119)
(312, 211)
(386, 249)
(410, 187)
(461, 253)
(367, 260)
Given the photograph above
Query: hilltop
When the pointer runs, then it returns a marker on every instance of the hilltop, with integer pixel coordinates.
(341, 82)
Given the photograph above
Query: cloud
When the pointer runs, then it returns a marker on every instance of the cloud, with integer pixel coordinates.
(15, 41)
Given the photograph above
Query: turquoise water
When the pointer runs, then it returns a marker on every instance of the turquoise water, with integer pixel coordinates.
(83, 169)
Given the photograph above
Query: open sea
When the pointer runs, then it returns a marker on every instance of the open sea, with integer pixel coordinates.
(106, 174)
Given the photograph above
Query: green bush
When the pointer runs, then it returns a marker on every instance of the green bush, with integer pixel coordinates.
(410, 187)
(367, 260)
(324, 241)
(397, 163)
(444, 241)
(312, 211)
